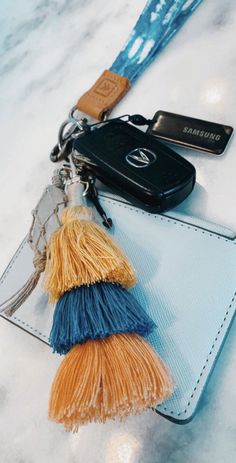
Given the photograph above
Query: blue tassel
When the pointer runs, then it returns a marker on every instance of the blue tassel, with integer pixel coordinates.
(95, 312)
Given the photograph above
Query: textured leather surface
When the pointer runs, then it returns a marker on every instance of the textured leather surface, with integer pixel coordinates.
(186, 283)
(106, 93)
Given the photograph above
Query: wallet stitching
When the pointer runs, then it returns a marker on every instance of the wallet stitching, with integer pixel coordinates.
(205, 364)
(175, 223)
(31, 327)
(3, 279)
(165, 219)
(12, 262)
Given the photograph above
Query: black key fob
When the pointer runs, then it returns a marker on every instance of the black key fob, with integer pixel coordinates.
(145, 171)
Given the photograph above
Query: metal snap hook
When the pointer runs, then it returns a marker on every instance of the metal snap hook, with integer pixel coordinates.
(67, 129)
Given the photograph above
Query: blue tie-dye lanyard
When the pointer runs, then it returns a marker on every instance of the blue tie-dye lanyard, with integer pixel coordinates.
(157, 24)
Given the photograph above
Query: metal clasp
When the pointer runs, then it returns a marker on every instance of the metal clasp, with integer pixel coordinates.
(75, 125)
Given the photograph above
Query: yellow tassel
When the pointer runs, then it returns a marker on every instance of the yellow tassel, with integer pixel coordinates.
(108, 379)
(81, 253)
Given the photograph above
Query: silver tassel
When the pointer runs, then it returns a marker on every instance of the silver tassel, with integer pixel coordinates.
(11, 305)
(45, 221)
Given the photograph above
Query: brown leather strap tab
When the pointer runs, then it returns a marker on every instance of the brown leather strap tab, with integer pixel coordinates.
(101, 98)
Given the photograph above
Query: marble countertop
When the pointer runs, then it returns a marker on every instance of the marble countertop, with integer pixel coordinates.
(51, 52)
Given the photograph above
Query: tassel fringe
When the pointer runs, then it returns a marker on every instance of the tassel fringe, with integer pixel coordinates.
(11, 305)
(81, 253)
(108, 379)
(95, 312)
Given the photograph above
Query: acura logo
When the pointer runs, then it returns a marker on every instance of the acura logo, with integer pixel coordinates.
(141, 157)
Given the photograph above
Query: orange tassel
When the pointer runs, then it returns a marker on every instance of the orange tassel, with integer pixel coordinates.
(108, 379)
(81, 253)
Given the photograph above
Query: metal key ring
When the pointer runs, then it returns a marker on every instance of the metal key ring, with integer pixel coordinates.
(65, 136)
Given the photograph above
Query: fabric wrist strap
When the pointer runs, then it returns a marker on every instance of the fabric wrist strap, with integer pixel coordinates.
(157, 24)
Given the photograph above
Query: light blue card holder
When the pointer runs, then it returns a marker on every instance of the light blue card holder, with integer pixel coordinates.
(186, 281)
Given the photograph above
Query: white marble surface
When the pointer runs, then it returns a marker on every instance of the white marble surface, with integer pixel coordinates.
(51, 51)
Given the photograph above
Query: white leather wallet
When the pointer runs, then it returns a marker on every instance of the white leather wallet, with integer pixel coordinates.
(186, 281)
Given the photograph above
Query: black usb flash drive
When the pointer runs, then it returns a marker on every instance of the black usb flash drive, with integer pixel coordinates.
(190, 132)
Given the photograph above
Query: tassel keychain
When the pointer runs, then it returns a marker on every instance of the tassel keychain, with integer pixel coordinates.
(110, 371)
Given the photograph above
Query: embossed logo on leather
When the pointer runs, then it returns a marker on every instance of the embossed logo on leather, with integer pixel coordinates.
(105, 88)
(107, 91)
(141, 157)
